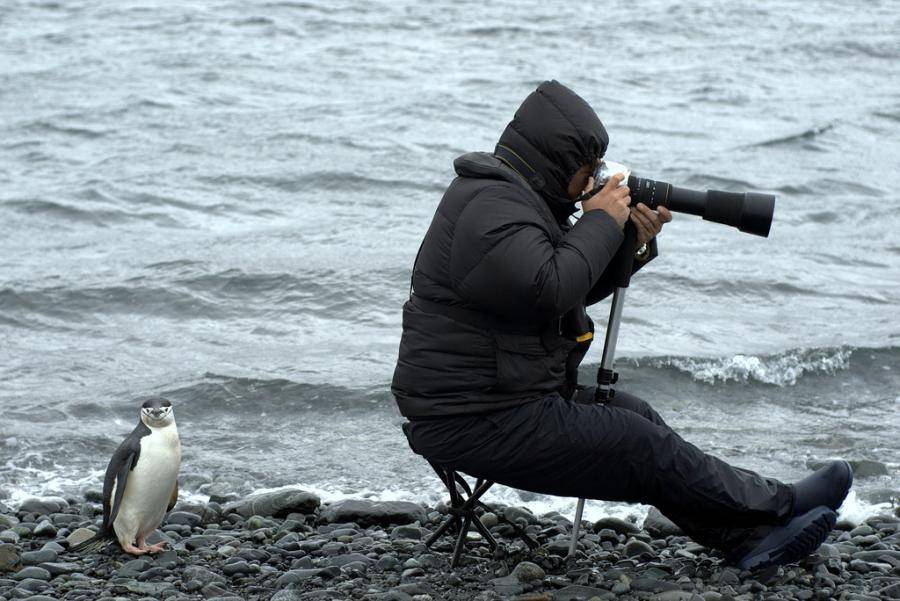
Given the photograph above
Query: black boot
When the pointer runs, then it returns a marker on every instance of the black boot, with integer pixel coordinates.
(826, 486)
(778, 545)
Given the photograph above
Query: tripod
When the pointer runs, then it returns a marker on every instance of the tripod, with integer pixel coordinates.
(622, 264)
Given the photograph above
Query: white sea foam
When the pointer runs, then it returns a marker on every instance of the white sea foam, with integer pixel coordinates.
(783, 369)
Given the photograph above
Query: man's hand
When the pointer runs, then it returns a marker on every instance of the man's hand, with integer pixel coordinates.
(648, 222)
(612, 199)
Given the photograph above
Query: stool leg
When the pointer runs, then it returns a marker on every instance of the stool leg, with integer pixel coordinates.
(450, 522)
(485, 533)
(457, 552)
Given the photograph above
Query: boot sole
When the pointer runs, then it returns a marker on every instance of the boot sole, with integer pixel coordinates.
(793, 542)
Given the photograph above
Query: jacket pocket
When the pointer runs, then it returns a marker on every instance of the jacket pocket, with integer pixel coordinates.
(526, 364)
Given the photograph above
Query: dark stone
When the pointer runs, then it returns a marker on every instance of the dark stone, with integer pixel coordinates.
(9, 558)
(507, 585)
(278, 504)
(184, 518)
(8, 521)
(862, 468)
(369, 513)
(581, 593)
(519, 513)
(652, 585)
(206, 541)
(636, 548)
(32, 572)
(617, 525)
(57, 569)
(295, 576)
(238, 567)
(659, 525)
(674, 596)
(33, 558)
(133, 568)
(411, 573)
(45, 529)
(876, 555)
(386, 563)
(43, 506)
(341, 560)
(528, 572)
(407, 532)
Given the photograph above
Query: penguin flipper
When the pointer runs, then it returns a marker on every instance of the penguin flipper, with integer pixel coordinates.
(174, 498)
(119, 491)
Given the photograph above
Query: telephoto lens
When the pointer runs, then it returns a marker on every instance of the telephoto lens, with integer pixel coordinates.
(750, 212)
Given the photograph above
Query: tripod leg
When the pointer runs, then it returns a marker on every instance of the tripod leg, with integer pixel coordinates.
(576, 526)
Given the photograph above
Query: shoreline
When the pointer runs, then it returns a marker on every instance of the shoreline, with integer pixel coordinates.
(289, 546)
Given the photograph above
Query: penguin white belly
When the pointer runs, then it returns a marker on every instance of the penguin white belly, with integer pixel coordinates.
(149, 486)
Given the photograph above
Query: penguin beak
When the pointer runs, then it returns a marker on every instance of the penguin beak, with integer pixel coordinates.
(157, 413)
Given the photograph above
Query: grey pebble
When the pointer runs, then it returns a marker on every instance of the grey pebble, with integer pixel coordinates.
(32, 572)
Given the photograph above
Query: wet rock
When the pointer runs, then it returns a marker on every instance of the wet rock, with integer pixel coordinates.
(652, 585)
(10, 559)
(8, 521)
(507, 585)
(616, 525)
(184, 518)
(238, 567)
(866, 468)
(674, 596)
(636, 548)
(33, 558)
(407, 532)
(369, 513)
(489, 519)
(581, 593)
(45, 529)
(61, 568)
(514, 514)
(79, 536)
(202, 541)
(43, 505)
(279, 503)
(133, 568)
(32, 572)
(9, 536)
(341, 560)
(527, 572)
(659, 525)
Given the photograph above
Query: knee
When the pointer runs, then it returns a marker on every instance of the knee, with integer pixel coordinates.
(636, 405)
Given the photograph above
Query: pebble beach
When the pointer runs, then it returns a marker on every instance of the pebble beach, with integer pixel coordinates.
(286, 545)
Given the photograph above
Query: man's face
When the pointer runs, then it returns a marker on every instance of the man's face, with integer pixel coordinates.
(579, 181)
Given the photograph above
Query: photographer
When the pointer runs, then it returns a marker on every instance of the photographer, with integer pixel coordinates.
(496, 327)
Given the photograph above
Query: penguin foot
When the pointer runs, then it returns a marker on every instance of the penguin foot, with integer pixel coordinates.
(157, 548)
(129, 548)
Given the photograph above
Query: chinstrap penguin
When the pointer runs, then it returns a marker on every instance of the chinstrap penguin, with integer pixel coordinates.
(141, 482)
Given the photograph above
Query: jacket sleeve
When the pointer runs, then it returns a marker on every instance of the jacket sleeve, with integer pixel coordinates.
(503, 260)
(604, 287)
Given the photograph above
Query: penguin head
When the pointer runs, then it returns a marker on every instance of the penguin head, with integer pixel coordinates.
(157, 412)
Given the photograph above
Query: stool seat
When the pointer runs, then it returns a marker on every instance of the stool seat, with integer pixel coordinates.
(462, 508)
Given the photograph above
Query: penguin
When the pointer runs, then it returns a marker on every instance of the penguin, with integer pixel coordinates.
(141, 482)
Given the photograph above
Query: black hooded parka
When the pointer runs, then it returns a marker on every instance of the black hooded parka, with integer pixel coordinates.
(497, 315)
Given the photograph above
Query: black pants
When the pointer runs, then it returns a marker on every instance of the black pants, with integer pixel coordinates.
(618, 451)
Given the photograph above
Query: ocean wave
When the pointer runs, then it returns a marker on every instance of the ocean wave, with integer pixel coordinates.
(802, 139)
(84, 304)
(276, 396)
(781, 369)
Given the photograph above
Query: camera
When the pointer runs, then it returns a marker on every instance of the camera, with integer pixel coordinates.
(750, 212)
